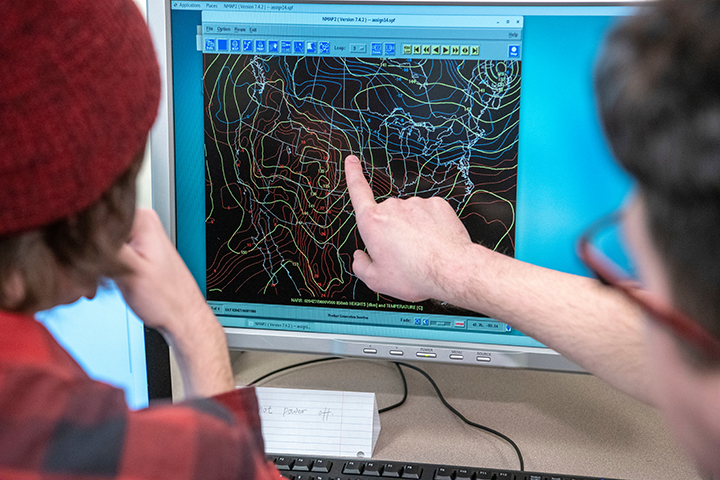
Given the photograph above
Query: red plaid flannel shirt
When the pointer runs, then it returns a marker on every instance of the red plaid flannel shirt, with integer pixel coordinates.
(57, 423)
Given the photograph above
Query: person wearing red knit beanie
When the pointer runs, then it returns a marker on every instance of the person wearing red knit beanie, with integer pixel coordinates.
(80, 91)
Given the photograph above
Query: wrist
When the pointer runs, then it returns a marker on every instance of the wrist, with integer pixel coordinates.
(202, 355)
(463, 277)
(193, 328)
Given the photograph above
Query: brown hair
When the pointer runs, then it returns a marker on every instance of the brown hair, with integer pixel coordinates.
(83, 248)
(658, 86)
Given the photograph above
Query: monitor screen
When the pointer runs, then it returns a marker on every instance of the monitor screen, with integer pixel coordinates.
(489, 106)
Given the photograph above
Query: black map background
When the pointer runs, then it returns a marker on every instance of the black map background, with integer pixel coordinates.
(279, 221)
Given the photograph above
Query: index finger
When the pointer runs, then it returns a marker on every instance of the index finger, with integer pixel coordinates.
(361, 194)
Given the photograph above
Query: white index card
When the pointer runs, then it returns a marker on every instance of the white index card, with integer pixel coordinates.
(318, 422)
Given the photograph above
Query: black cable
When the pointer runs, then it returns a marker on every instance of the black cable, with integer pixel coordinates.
(275, 372)
(318, 360)
(405, 392)
(462, 417)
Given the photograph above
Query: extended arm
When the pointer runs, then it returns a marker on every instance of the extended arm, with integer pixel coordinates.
(418, 249)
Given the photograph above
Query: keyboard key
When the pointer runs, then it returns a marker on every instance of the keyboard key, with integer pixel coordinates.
(483, 475)
(411, 471)
(465, 474)
(302, 465)
(283, 463)
(353, 468)
(444, 473)
(392, 470)
(372, 469)
(322, 465)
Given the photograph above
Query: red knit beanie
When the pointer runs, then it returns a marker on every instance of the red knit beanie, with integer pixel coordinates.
(79, 91)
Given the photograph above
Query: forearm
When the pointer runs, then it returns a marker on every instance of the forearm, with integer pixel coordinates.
(202, 355)
(163, 293)
(587, 322)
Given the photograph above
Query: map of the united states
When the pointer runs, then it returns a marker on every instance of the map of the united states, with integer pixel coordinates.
(279, 222)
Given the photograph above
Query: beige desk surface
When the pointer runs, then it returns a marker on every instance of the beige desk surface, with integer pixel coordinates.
(562, 423)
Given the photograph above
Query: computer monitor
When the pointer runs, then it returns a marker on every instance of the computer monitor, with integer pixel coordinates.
(488, 104)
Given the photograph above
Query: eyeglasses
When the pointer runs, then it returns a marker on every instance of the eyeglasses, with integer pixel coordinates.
(610, 273)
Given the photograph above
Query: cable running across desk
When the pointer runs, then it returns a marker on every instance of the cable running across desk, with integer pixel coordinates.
(462, 417)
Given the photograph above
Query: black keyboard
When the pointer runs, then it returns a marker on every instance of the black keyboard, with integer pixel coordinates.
(322, 468)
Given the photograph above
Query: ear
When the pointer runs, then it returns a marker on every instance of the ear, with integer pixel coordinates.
(12, 291)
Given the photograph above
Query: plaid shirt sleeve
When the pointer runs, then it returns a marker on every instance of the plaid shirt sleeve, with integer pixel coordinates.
(56, 423)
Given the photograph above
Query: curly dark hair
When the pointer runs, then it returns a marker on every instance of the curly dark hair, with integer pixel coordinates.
(658, 88)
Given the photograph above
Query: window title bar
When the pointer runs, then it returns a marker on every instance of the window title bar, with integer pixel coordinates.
(395, 20)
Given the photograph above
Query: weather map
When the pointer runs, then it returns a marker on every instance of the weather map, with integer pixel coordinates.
(280, 228)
